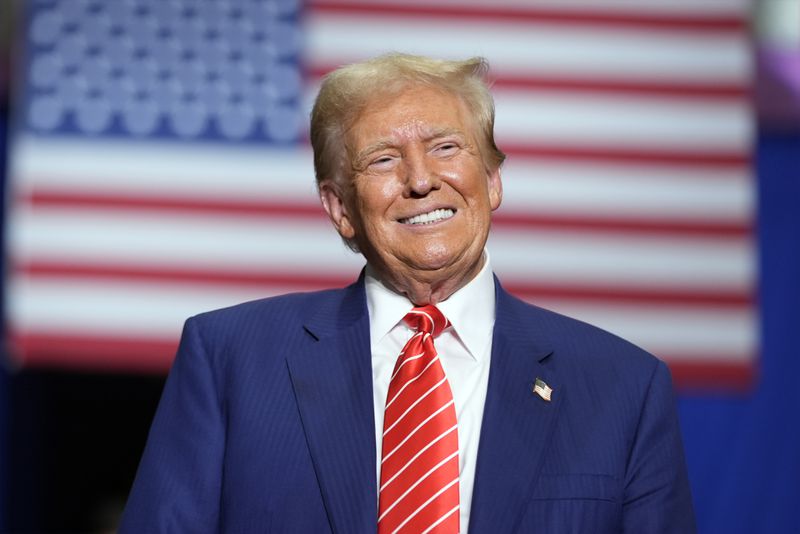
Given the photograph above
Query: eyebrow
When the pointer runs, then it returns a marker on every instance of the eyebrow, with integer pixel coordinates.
(381, 145)
(375, 147)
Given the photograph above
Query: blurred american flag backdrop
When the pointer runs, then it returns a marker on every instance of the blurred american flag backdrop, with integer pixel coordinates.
(160, 166)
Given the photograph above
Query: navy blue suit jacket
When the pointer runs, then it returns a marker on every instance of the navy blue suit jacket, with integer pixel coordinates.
(266, 425)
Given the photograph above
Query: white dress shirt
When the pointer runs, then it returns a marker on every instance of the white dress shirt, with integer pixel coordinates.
(464, 350)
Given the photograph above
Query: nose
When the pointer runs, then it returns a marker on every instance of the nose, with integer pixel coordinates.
(420, 177)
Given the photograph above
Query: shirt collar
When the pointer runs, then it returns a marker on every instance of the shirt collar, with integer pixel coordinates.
(471, 309)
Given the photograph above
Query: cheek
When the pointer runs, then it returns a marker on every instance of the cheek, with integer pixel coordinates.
(384, 190)
(451, 173)
(375, 196)
(467, 178)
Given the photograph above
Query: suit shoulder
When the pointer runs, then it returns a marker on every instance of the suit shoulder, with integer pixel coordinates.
(264, 318)
(289, 304)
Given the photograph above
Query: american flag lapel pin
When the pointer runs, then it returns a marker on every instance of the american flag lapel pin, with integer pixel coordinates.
(541, 388)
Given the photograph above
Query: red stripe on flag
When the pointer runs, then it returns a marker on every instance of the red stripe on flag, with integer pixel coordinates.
(128, 273)
(247, 208)
(638, 87)
(528, 14)
(93, 352)
(708, 375)
(683, 227)
(217, 206)
(721, 159)
(643, 87)
(657, 297)
(309, 281)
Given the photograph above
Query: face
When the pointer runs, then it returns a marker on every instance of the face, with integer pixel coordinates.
(420, 201)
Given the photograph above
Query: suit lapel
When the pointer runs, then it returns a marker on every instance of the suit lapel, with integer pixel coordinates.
(517, 423)
(332, 382)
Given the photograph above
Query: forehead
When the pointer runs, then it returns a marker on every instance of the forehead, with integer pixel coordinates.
(415, 112)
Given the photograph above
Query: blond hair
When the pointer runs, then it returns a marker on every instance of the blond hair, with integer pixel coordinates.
(346, 91)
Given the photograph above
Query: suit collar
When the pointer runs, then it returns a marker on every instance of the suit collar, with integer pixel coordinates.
(517, 424)
(332, 380)
(471, 310)
(337, 314)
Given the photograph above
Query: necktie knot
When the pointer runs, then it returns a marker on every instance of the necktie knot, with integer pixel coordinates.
(427, 319)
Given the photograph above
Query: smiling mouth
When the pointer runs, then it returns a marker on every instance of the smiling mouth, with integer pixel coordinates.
(430, 217)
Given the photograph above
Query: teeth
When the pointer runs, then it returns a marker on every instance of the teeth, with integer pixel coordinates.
(430, 217)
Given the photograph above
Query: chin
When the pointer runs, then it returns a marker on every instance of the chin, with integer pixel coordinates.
(440, 257)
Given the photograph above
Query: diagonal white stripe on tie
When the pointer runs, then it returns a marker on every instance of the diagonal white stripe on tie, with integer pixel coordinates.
(426, 503)
(425, 448)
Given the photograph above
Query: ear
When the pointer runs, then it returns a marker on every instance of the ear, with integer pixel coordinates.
(495, 185)
(335, 206)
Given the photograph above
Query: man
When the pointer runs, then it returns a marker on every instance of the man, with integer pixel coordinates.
(296, 414)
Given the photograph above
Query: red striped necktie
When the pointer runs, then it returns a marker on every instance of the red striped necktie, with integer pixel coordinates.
(419, 466)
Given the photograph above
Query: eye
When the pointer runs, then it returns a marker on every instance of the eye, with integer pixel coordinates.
(447, 148)
(382, 162)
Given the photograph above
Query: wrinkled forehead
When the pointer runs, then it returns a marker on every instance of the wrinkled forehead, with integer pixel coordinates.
(413, 111)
